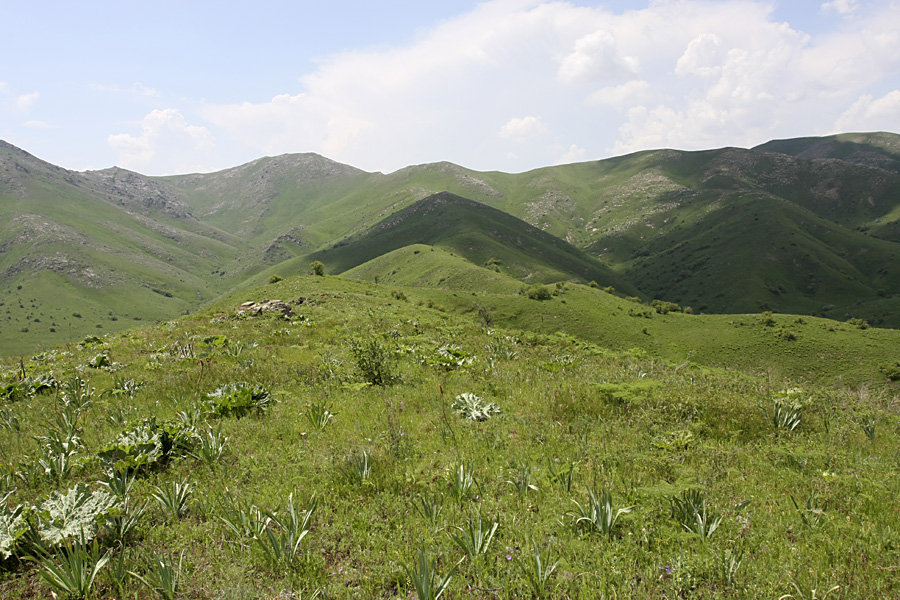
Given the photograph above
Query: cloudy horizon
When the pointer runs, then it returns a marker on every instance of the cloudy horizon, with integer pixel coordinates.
(507, 85)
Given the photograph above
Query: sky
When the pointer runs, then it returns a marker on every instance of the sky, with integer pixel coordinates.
(170, 87)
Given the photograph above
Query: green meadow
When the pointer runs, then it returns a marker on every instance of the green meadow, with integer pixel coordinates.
(427, 426)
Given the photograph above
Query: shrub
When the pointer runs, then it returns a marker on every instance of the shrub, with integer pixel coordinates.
(859, 323)
(275, 278)
(374, 360)
(317, 268)
(891, 370)
(539, 292)
(663, 307)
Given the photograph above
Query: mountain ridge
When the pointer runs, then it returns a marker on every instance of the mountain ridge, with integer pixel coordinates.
(664, 221)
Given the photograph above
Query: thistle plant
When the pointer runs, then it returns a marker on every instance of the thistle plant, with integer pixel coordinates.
(473, 408)
(429, 585)
(598, 515)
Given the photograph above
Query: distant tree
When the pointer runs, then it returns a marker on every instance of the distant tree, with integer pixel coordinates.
(317, 268)
(275, 278)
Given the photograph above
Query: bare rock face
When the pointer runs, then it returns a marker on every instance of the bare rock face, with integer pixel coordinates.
(266, 306)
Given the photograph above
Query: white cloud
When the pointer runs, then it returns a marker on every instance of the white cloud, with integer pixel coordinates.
(26, 101)
(520, 128)
(623, 96)
(137, 88)
(37, 125)
(867, 114)
(572, 155)
(596, 57)
(841, 7)
(167, 144)
(687, 74)
(4, 88)
(703, 57)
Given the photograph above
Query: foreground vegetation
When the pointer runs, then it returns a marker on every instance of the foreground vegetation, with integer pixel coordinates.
(373, 446)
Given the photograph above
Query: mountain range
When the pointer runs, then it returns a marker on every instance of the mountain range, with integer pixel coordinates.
(808, 226)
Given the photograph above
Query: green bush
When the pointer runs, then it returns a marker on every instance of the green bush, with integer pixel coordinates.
(374, 360)
(539, 292)
(663, 307)
(275, 278)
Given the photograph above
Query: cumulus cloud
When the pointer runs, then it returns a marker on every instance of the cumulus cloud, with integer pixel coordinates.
(572, 155)
(842, 7)
(630, 93)
(687, 74)
(167, 144)
(867, 114)
(137, 88)
(596, 57)
(26, 101)
(520, 128)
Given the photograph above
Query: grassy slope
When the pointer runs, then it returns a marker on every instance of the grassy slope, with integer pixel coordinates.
(645, 428)
(72, 244)
(478, 233)
(419, 265)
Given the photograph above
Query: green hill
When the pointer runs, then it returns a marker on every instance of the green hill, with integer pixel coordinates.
(806, 226)
(480, 234)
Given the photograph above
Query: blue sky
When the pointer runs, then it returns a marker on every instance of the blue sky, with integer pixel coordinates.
(510, 85)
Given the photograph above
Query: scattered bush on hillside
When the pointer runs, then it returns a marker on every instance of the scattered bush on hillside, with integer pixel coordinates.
(317, 268)
(859, 323)
(374, 360)
(539, 292)
(891, 370)
(594, 284)
(275, 278)
(663, 307)
(766, 319)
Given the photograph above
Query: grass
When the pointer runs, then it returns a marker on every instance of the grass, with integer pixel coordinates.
(576, 415)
